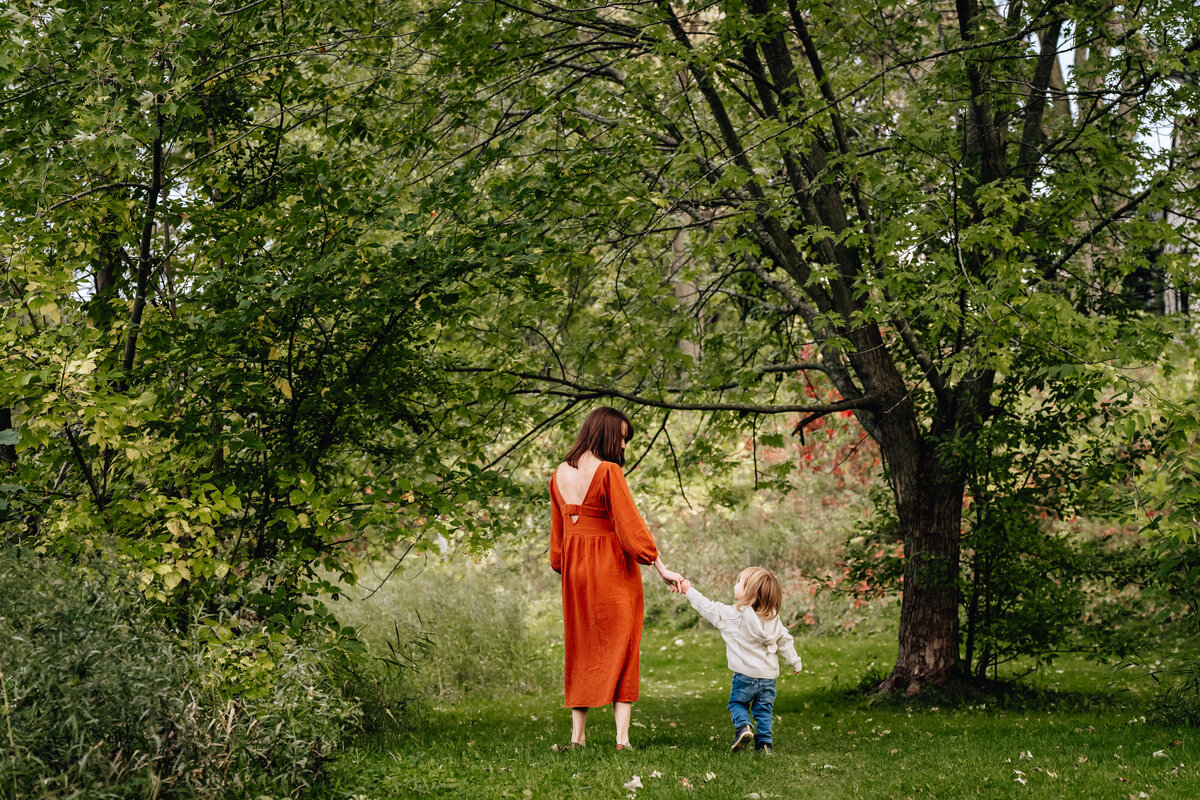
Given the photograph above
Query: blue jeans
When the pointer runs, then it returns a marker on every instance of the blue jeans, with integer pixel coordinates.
(753, 696)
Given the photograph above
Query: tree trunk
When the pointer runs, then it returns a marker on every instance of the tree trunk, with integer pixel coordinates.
(929, 503)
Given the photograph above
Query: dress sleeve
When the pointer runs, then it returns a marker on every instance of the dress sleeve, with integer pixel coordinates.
(556, 532)
(631, 529)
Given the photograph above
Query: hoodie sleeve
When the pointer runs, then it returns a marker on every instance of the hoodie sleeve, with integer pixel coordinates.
(787, 648)
(718, 614)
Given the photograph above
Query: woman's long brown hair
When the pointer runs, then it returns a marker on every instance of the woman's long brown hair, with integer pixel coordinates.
(602, 433)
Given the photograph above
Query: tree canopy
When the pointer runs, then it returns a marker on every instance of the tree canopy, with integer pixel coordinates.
(282, 278)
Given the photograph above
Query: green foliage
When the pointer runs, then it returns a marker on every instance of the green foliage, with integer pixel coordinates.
(99, 701)
(1179, 701)
(221, 297)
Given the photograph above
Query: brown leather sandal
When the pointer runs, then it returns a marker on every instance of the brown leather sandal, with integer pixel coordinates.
(562, 748)
(625, 747)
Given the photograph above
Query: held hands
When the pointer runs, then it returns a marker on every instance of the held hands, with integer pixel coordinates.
(684, 586)
(671, 578)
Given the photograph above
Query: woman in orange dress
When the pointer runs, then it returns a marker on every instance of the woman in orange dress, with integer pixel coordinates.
(597, 541)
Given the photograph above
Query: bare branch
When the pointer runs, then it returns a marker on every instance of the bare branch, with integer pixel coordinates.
(93, 190)
(584, 391)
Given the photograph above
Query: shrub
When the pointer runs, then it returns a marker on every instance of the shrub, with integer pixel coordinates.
(1179, 702)
(99, 701)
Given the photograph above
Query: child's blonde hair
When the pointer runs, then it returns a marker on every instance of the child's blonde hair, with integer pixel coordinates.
(760, 591)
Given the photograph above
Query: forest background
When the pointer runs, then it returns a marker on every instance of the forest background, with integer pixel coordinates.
(898, 296)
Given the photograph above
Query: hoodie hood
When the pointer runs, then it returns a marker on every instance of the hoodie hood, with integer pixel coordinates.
(756, 631)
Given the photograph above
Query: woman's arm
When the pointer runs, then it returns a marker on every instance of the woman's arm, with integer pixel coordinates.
(670, 577)
(631, 529)
(556, 532)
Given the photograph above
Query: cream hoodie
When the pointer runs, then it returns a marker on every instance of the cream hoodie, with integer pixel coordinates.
(752, 645)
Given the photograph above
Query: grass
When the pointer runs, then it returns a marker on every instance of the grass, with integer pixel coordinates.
(1076, 731)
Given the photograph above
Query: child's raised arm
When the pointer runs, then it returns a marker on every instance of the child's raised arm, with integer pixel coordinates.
(718, 614)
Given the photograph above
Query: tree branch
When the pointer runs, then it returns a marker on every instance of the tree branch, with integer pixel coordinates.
(144, 266)
(932, 373)
(1035, 107)
(867, 402)
(94, 190)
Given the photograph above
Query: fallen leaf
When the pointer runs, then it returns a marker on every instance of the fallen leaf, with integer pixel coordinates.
(656, 774)
(634, 783)
(1177, 743)
(1082, 759)
(1160, 753)
(708, 776)
(1020, 780)
(685, 783)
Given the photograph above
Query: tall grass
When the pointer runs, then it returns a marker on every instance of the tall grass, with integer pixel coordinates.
(442, 631)
(99, 701)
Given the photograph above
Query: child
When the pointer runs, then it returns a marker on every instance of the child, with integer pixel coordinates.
(753, 636)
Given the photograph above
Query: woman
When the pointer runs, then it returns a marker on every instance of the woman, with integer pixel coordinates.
(597, 539)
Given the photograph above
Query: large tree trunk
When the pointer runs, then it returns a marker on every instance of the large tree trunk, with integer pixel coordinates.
(929, 505)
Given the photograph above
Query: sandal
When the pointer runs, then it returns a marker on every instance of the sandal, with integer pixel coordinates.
(625, 747)
(562, 748)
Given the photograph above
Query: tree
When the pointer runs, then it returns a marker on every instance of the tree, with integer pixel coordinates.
(219, 301)
(922, 194)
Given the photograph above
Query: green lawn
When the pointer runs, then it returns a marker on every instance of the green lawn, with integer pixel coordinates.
(1082, 736)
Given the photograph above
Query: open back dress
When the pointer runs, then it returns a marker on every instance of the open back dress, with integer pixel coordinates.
(596, 547)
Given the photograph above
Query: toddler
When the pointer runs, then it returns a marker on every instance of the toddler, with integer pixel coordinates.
(754, 640)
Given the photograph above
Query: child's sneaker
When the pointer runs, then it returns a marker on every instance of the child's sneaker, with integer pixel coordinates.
(743, 737)
(763, 747)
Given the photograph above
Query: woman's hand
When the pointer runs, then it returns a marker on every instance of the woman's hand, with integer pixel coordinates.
(670, 577)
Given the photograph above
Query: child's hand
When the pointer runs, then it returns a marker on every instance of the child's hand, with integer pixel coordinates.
(684, 585)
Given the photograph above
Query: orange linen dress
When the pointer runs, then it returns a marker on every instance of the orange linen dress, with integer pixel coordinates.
(598, 556)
